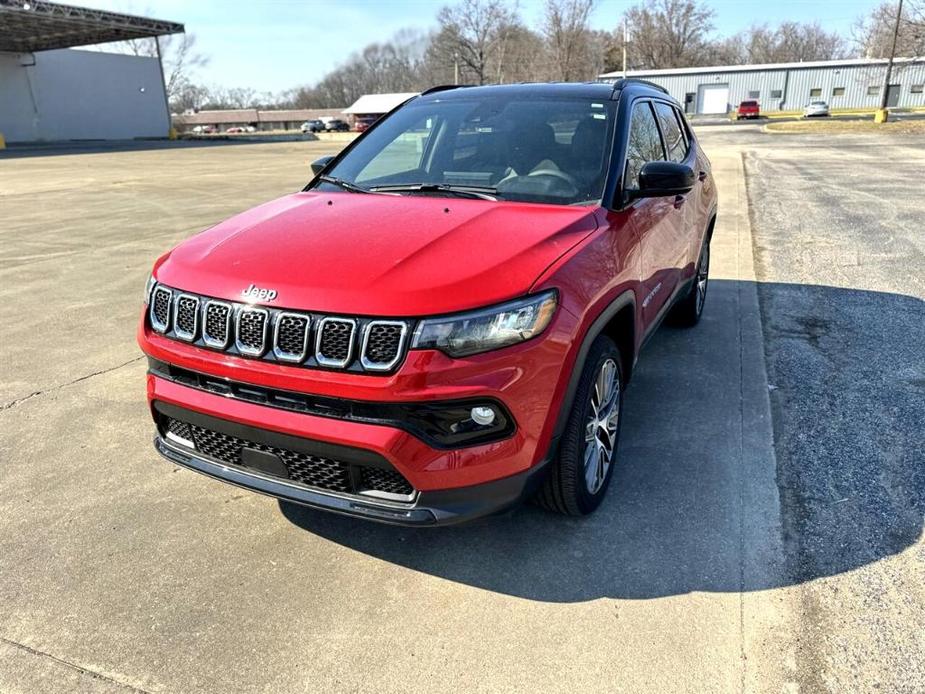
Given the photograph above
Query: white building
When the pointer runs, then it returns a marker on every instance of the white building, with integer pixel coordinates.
(790, 86)
(52, 93)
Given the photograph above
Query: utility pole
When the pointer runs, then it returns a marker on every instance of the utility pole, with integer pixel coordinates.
(456, 67)
(881, 116)
(625, 38)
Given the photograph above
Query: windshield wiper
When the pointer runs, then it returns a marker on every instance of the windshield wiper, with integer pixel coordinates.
(481, 192)
(346, 185)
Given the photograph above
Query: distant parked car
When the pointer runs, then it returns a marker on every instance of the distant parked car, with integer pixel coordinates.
(816, 108)
(363, 124)
(205, 130)
(748, 109)
(235, 129)
(312, 126)
(336, 125)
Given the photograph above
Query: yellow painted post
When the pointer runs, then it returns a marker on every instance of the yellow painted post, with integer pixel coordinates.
(881, 115)
(2, 142)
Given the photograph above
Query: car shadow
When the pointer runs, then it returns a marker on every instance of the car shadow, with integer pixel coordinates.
(680, 514)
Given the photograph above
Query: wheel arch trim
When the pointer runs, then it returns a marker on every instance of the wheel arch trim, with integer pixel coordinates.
(626, 299)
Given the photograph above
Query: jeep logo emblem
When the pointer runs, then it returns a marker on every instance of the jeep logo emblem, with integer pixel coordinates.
(255, 293)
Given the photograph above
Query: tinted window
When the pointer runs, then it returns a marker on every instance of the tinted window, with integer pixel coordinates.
(644, 144)
(527, 148)
(671, 131)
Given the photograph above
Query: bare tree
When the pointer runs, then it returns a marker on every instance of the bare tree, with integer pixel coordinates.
(788, 42)
(569, 39)
(474, 36)
(873, 35)
(178, 55)
(669, 33)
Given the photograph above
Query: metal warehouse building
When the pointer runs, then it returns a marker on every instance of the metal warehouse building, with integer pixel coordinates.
(790, 86)
(49, 92)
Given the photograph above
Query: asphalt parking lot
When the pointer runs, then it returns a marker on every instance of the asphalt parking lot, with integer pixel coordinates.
(764, 530)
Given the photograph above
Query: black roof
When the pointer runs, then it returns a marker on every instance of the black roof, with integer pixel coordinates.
(580, 90)
(37, 25)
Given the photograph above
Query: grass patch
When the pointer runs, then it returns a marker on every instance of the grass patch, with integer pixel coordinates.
(826, 126)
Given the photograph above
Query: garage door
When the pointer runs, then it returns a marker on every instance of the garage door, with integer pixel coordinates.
(713, 98)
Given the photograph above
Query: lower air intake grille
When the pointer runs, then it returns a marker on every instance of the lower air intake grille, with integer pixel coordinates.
(310, 470)
(388, 481)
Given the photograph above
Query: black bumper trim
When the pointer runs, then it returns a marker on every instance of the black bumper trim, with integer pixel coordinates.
(420, 419)
(430, 508)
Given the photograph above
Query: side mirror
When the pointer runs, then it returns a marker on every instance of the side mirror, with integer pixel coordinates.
(663, 178)
(319, 164)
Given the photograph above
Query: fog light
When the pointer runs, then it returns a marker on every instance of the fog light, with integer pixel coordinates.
(483, 416)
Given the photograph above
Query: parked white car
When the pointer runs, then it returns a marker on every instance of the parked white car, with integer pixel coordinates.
(816, 108)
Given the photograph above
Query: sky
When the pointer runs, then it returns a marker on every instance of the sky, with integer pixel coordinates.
(272, 45)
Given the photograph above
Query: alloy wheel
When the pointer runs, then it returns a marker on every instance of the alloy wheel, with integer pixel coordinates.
(703, 272)
(601, 428)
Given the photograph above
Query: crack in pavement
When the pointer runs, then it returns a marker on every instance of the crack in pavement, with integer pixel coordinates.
(36, 393)
(73, 666)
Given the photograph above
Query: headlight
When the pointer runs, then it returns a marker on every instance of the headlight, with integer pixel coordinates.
(149, 286)
(486, 329)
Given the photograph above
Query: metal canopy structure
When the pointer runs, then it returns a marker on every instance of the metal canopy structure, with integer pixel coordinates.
(27, 26)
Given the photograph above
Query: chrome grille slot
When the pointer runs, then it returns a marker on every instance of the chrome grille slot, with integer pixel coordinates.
(216, 328)
(186, 317)
(251, 336)
(290, 336)
(383, 344)
(334, 343)
(160, 309)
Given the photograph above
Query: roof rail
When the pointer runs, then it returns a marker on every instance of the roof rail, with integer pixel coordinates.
(444, 88)
(626, 81)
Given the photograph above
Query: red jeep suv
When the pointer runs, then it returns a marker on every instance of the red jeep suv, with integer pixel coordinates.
(443, 322)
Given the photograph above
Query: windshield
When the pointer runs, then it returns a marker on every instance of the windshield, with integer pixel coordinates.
(550, 150)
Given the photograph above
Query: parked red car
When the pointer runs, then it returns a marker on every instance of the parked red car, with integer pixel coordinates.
(444, 321)
(748, 109)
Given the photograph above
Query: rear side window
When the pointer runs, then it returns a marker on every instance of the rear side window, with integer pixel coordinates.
(675, 145)
(645, 143)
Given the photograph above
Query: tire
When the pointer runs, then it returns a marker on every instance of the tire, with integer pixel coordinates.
(572, 487)
(686, 313)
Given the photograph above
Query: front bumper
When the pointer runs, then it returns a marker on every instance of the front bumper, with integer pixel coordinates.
(429, 508)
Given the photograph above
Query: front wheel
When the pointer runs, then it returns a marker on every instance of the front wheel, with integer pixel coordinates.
(582, 472)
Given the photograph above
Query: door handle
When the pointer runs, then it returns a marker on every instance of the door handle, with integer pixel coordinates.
(702, 176)
(678, 201)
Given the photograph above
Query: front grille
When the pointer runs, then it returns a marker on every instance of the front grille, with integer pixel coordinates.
(160, 309)
(217, 326)
(383, 344)
(186, 317)
(252, 331)
(291, 339)
(309, 470)
(335, 341)
(300, 338)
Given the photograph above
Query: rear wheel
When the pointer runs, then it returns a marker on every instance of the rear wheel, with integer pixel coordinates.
(582, 472)
(687, 312)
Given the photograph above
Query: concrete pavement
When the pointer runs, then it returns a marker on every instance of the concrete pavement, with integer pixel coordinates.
(120, 572)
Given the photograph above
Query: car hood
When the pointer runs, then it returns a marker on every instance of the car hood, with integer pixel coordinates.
(378, 254)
